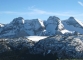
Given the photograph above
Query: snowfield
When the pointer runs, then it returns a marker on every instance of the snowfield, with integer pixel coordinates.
(36, 38)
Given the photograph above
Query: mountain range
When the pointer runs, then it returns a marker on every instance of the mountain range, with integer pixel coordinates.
(38, 39)
(21, 27)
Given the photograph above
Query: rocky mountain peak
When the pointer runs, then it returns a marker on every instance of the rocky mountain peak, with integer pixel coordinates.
(18, 20)
(53, 18)
(71, 17)
(53, 24)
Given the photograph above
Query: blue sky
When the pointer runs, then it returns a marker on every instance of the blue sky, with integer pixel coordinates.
(30, 9)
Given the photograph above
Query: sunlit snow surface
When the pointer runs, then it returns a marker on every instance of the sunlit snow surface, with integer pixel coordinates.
(36, 38)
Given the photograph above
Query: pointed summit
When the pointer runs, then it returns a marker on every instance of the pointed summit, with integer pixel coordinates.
(53, 24)
(53, 18)
(18, 20)
(73, 24)
(71, 17)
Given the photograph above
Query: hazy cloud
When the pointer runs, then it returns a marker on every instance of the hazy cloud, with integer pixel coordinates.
(35, 11)
(80, 3)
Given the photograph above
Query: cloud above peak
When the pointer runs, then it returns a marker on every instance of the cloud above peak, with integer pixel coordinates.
(80, 3)
(32, 11)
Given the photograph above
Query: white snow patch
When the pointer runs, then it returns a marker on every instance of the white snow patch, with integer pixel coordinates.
(79, 22)
(41, 22)
(66, 31)
(36, 38)
(1, 25)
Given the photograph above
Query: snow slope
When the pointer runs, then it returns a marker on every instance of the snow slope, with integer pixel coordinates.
(73, 24)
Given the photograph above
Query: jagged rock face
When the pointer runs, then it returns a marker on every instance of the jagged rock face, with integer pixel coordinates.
(63, 46)
(17, 23)
(73, 24)
(1, 27)
(53, 25)
(34, 26)
(11, 29)
(69, 47)
(18, 20)
(15, 44)
(20, 27)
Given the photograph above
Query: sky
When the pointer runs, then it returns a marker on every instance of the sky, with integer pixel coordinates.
(42, 9)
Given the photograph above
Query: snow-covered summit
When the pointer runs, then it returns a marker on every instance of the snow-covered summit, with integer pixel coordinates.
(18, 20)
(73, 24)
(20, 27)
(53, 24)
(53, 18)
(37, 27)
